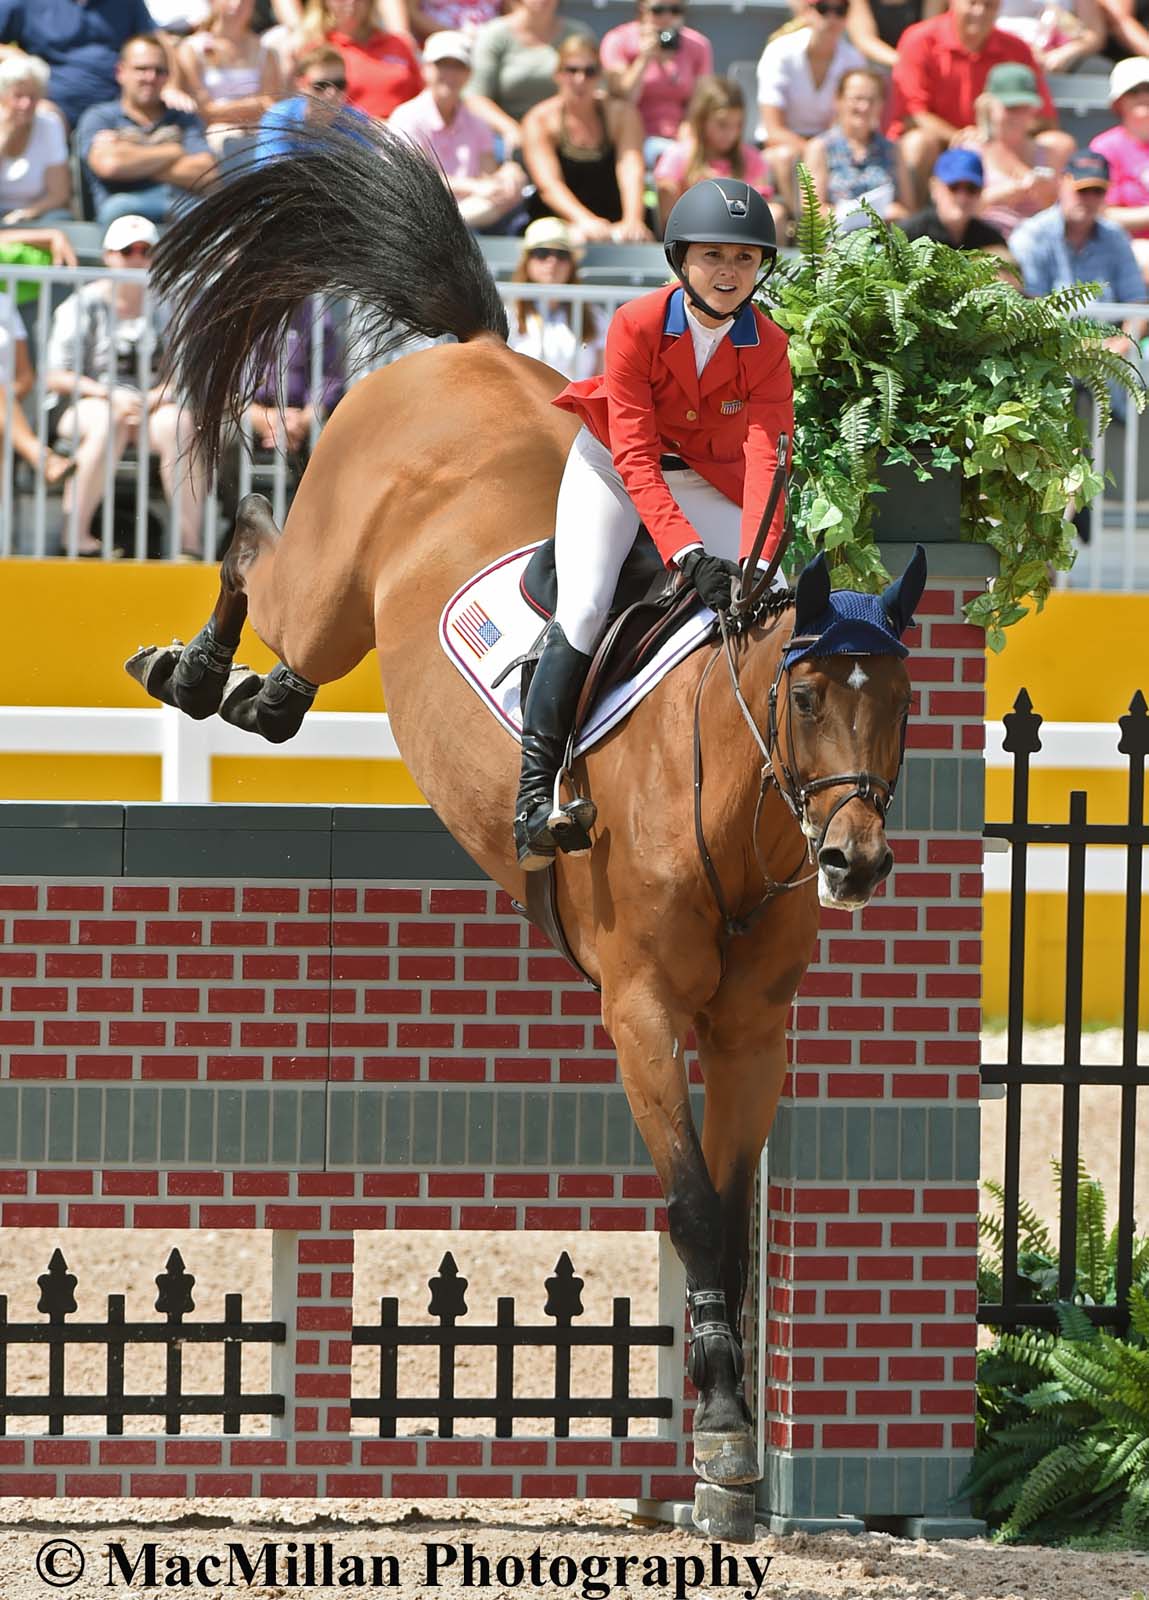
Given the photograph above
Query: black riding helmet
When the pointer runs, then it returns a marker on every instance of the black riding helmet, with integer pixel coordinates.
(720, 211)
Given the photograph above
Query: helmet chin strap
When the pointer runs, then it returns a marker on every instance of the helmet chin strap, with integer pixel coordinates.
(721, 316)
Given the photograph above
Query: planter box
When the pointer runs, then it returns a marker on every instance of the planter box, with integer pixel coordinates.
(911, 512)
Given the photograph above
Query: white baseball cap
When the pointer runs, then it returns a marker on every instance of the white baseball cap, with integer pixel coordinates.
(1126, 75)
(125, 231)
(448, 46)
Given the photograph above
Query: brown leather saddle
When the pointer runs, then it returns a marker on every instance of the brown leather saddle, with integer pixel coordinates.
(649, 605)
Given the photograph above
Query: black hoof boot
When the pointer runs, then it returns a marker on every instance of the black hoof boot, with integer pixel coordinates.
(274, 707)
(191, 677)
(725, 1447)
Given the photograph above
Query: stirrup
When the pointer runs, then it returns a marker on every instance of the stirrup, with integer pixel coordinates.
(570, 823)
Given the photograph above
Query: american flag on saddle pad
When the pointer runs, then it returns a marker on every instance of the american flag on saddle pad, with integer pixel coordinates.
(476, 629)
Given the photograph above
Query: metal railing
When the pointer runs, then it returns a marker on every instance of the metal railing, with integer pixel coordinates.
(32, 521)
(1016, 1301)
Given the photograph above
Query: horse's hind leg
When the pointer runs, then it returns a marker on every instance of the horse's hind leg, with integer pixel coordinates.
(194, 677)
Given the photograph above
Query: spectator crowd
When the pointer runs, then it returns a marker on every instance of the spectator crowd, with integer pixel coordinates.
(937, 113)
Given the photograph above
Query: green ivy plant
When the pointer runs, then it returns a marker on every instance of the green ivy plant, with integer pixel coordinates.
(918, 354)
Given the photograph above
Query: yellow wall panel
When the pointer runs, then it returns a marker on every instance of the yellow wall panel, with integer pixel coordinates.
(312, 782)
(39, 777)
(1107, 794)
(1103, 967)
(1058, 657)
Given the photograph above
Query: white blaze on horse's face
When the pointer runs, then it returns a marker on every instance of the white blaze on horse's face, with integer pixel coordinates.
(857, 679)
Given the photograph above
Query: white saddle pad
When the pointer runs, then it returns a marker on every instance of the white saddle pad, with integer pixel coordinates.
(487, 624)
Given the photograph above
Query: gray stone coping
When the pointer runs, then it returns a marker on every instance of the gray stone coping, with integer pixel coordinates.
(938, 793)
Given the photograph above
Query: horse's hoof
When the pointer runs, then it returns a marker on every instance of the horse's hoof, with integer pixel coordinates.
(724, 1514)
(152, 668)
(726, 1459)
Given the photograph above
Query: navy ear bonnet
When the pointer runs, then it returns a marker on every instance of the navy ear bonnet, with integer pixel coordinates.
(840, 622)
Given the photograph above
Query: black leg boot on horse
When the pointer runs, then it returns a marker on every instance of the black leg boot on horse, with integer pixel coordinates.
(194, 677)
(200, 678)
(542, 825)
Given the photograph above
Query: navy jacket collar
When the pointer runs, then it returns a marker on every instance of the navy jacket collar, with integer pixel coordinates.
(743, 332)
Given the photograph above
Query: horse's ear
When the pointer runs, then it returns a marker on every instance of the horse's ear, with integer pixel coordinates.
(812, 595)
(900, 599)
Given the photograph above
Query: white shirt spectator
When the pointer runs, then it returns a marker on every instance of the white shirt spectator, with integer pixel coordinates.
(548, 336)
(22, 180)
(784, 81)
(11, 330)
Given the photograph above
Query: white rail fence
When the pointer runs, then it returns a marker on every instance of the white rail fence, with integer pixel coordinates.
(186, 750)
(32, 521)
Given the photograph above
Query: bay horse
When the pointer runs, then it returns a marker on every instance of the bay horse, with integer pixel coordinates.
(430, 469)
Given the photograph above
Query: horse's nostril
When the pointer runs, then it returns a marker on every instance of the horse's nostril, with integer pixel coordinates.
(887, 865)
(833, 862)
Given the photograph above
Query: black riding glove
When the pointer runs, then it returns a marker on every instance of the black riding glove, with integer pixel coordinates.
(711, 576)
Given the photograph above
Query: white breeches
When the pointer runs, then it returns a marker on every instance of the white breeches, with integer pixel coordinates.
(595, 527)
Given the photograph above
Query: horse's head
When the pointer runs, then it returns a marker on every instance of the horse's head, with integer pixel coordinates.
(838, 713)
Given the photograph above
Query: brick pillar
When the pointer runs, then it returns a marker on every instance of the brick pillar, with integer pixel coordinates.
(873, 1162)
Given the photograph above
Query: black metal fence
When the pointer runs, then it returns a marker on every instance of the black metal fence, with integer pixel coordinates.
(448, 1306)
(1018, 1304)
(58, 1303)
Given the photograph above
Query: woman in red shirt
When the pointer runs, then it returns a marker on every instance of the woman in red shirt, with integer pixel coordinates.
(382, 68)
(680, 433)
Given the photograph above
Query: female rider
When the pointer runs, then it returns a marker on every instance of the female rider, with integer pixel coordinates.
(680, 433)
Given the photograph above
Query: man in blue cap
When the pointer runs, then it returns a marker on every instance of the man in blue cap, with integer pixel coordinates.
(955, 198)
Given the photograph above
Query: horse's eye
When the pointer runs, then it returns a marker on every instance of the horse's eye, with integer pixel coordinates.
(804, 701)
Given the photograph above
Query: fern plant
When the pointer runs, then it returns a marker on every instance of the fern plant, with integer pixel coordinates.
(1063, 1420)
(1063, 1431)
(918, 354)
(1037, 1255)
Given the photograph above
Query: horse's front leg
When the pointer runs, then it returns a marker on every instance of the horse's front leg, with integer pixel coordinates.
(744, 1069)
(649, 1026)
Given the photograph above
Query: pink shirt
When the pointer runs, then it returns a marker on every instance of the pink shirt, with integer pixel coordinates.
(673, 163)
(667, 84)
(1128, 162)
(459, 146)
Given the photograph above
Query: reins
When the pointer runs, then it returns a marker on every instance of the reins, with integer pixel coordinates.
(746, 607)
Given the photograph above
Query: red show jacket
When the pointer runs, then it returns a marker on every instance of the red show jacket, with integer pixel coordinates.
(650, 402)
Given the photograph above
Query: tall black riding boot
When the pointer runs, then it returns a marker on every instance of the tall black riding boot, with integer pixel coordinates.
(548, 715)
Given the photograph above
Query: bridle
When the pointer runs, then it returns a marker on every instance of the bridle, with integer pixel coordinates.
(749, 606)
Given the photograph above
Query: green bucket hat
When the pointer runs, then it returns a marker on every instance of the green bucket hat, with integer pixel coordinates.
(1014, 84)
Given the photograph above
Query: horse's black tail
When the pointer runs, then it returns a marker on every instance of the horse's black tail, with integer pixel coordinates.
(353, 210)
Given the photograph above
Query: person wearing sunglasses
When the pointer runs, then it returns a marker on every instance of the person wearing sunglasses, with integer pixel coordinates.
(583, 152)
(655, 62)
(320, 96)
(798, 76)
(515, 60)
(142, 158)
(103, 358)
(566, 337)
(952, 218)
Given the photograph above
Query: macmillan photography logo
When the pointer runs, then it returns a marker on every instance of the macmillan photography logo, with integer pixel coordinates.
(298, 1565)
